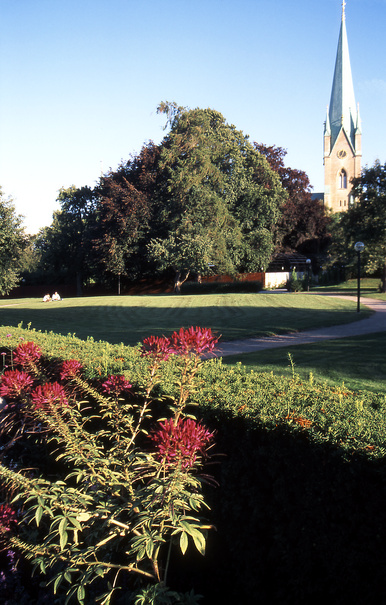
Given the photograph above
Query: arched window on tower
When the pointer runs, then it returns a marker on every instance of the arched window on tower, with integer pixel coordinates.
(343, 179)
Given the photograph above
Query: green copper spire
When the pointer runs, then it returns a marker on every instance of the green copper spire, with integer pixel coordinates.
(342, 109)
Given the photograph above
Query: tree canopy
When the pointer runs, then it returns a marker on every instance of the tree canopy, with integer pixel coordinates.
(220, 199)
(204, 200)
(13, 243)
(365, 220)
(303, 224)
(65, 246)
(126, 206)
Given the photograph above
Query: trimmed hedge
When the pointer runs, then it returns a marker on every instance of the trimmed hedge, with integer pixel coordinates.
(238, 287)
(100, 358)
(300, 508)
(300, 503)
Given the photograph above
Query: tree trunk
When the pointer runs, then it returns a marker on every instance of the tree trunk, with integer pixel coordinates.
(178, 281)
(119, 284)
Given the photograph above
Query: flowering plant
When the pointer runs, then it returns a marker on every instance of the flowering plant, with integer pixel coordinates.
(180, 442)
(120, 489)
(27, 355)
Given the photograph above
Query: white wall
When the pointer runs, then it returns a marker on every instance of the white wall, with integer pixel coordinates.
(273, 280)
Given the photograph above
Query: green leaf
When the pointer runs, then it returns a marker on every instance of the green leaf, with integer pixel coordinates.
(38, 515)
(80, 593)
(75, 523)
(200, 542)
(183, 542)
(57, 583)
(62, 533)
(63, 539)
(149, 548)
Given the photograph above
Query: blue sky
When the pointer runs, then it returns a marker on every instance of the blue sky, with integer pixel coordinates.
(81, 81)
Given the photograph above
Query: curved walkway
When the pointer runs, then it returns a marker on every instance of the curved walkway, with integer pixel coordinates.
(373, 324)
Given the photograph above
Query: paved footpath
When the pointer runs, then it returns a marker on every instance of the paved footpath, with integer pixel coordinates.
(375, 323)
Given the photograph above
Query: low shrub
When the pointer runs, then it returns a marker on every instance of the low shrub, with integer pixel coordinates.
(294, 284)
(99, 358)
(103, 481)
(299, 511)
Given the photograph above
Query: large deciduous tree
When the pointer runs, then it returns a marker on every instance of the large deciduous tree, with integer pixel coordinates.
(365, 220)
(126, 206)
(221, 198)
(13, 243)
(303, 224)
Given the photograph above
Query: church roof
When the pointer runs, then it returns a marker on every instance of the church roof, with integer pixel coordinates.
(342, 110)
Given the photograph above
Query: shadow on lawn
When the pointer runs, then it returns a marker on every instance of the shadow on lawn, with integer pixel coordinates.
(298, 522)
(130, 325)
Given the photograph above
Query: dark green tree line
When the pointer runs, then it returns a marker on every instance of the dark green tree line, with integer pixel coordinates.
(303, 224)
(364, 221)
(65, 246)
(14, 245)
(205, 199)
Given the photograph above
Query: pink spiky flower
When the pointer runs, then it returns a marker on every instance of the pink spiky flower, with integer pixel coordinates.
(158, 347)
(115, 385)
(8, 517)
(193, 341)
(70, 368)
(181, 442)
(49, 395)
(27, 353)
(14, 383)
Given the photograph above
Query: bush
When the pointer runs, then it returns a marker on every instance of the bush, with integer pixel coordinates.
(294, 284)
(109, 491)
(299, 510)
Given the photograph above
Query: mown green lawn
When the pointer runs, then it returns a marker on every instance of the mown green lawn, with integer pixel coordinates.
(359, 362)
(369, 287)
(129, 319)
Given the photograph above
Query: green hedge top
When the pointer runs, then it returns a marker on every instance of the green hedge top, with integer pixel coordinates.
(351, 421)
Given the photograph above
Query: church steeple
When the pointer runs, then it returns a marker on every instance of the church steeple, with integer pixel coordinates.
(342, 109)
(342, 132)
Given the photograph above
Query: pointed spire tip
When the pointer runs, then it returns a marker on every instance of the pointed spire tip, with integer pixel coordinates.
(343, 10)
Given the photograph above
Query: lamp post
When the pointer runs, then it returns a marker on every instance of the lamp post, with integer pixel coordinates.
(359, 247)
(308, 263)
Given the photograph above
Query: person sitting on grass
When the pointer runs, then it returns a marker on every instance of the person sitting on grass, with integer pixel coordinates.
(46, 298)
(56, 296)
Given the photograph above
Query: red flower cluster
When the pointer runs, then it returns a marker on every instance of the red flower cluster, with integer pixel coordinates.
(7, 517)
(157, 347)
(49, 395)
(115, 385)
(70, 368)
(181, 442)
(193, 340)
(27, 353)
(13, 383)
